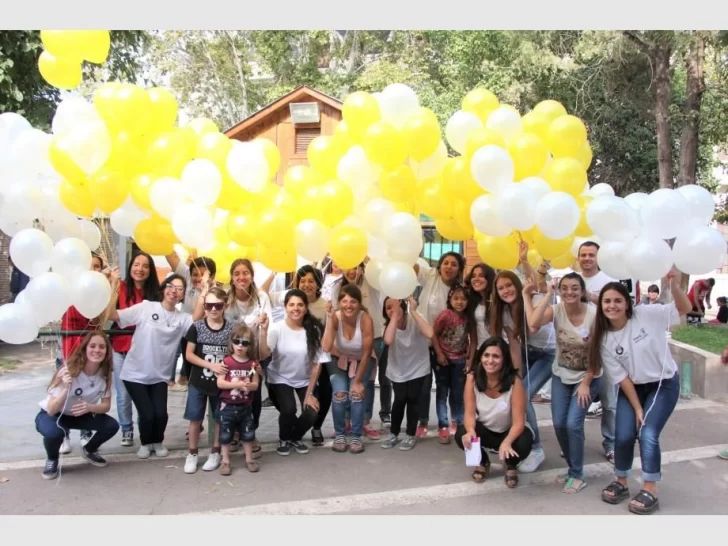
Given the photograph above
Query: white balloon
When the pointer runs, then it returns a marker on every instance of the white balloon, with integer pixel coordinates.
(517, 206)
(637, 200)
(699, 251)
(601, 190)
(371, 273)
(405, 254)
(505, 122)
(377, 248)
(666, 213)
(31, 251)
(485, 218)
(700, 201)
(247, 165)
(12, 227)
(165, 195)
(537, 185)
(312, 239)
(49, 296)
(612, 219)
(71, 257)
(403, 229)
(30, 155)
(90, 293)
(89, 145)
(431, 166)
(376, 214)
(125, 219)
(17, 323)
(611, 259)
(397, 280)
(397, 103)
(557, 215)
(11, 127)
(193, 225)
(459, 127)
(355, 169)
(89, 232)
(202, 181)
(648, 258)
(492, 168)
(71, 111)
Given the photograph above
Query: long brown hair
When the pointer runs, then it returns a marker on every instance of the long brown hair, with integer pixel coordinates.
(77, 361)
(602, 324)
(499, 306)
(253, 289)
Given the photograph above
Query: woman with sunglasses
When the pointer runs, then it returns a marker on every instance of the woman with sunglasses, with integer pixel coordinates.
(147, 367)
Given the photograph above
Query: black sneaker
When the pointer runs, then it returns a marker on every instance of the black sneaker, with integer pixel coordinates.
(94, 458)
(50, 472)
(317, 437)
(284, 448)
(86, 437)
(267, 403)
(299, 446)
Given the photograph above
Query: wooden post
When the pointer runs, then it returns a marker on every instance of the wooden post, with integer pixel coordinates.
(686, 381)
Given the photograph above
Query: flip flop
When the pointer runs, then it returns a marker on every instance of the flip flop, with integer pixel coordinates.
(650, 502)
(570, 488)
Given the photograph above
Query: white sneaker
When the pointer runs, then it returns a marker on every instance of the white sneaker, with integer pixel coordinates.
(66, 446)
(191, 463)
(160, 450)
(212, 462)
(145, 451)
(533, 461)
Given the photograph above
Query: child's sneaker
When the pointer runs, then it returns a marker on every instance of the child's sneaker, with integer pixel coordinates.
(408, 443)
(212, 462)
(390, 441)
(284, 448)
(421, 430)
(444, 436)
(225, 469)
(191, 463)
(370, 432)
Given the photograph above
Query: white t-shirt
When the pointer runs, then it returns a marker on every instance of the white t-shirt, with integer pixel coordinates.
(572, 345)
(289, 364)
(192, 294)
(409, 356)
(249, 311)
(433, 298)
(327, 286)
(154, 344)
(317, 308)
(90, 389)
(371, 299)
(545, 338)
(595, 283)
(645, 355)
(481, 324)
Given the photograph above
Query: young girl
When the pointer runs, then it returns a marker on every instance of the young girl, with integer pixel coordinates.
(631, 342)
(574, 383)
(408, 366)
(207, 344)
(79, 397)
(450, 344)
(237, 381)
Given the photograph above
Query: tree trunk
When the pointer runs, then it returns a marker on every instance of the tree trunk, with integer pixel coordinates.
(660, 54)
(231, 117)
(241, 76)
(694, 89)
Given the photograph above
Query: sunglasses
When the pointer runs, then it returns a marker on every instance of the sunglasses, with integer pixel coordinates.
(241, 341)
(217, 306)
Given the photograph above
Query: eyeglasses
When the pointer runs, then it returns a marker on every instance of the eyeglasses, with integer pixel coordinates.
(218, 306)
(175, 287)
(241, 341)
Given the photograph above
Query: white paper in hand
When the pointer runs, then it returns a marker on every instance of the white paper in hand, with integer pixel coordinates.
(473, 455)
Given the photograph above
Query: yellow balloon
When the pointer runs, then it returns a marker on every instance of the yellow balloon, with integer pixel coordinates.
(109, 190)
(398, 184)
(566, 174)
(529, 155)
(566, 136)
(449, 228)
(550, 109)
(203, 125)
(168, 154)
(242, 228)
(534, 258)
(163, 111)
(421, 134)
(583, 229)
(267, 197)
(277, 258)
(384, 145)
(131, 108)
(409, 206)
(276, 229)
(60, 72)
(324, 153)
(536, 124)
(462, 215)
(551, 248)
(482, 137)
(103, 101)
(139, 190)
(434, 200)
(360, 110)
(458, 180)
(271, 153)
(585, 156)
(498, 252)
(214, 147)
(91, 45)
(155, 236)
(95, 45)
(563, 261)
(77, 199)
(348, 246)
(232, 195)
(299, 178)
(331, 203)
(127, 154)
(63, 164)
(480, 102)
(343, 136)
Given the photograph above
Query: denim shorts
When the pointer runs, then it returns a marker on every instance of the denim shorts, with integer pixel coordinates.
(236, 418)
(196, 402)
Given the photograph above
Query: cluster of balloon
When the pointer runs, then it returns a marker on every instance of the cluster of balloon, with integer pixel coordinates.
(60, 64)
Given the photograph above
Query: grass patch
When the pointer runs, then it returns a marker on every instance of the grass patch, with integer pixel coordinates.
(7, 364)
(708, 339)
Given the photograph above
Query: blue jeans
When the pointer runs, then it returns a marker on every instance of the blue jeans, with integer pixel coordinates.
(450, 383)
(654, 421)
(608, 398)
(340, 387)
(123, 401)
(568, 417)
(236, 418)
(540, 362)
(54, 430)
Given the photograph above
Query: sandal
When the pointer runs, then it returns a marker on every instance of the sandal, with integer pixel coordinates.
(480, 474)
(649, 501)
(234, 446)
(339, 445)
(561, 479)
(252, 466)
(256, 446)
(511, 480)
(618, 493)
(317, 437)
(225, 469)
(570, 488)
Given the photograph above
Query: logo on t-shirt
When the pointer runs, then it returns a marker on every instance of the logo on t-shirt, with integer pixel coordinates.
(78, 391)
(155, 317)
(642, 335)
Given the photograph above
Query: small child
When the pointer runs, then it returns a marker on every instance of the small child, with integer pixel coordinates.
(450, 344)
(722, 317)
(236, 396)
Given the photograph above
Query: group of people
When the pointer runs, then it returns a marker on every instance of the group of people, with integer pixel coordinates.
(491, 340)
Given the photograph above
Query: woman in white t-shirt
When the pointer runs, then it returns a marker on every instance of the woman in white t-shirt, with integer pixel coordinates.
(407, 336)
(574, 383)
(480, 282)
(148, 364)
(79, 397)
(331, 273)
(532, 349)
(294, 345)
(631, 343)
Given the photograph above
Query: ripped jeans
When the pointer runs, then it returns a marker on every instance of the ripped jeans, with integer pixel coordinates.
(342, 399)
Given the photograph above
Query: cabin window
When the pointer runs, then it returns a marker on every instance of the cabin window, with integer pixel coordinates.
(304, 136)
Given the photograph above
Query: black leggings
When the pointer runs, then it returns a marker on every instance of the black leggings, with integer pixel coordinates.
(493, 440)
(323, 394)
(258, 396)
(407, 395)
(150, 402)
(291, 427)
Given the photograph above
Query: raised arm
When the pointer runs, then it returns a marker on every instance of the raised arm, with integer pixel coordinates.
(543, 313)
(681, 298)
(422, 324)
(332, 324)
(111, 312)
